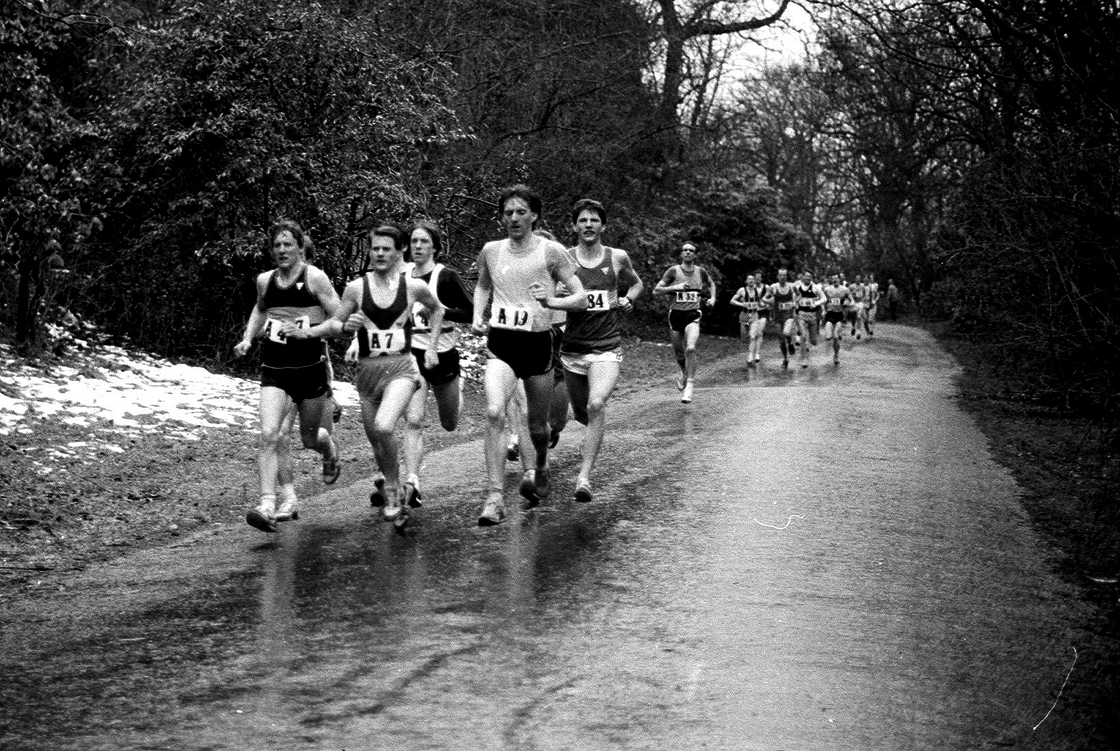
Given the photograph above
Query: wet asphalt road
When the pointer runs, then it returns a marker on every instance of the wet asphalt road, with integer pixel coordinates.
(799, 560)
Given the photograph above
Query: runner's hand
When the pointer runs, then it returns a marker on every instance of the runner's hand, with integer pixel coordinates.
(351, 351)
(242, 347)
(431, 359)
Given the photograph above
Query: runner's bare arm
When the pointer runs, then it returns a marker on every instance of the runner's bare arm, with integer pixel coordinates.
(482, 291)
(665, 285)
(256, 319)
(627, 277)
(321, 287)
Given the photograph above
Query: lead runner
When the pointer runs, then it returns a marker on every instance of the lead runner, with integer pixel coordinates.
(517, 279)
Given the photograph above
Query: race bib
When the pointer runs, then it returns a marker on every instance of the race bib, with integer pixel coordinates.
(420, 322)
(272, 328)
(390, 341)
(786, 305)
(688, 295)
(511, 317)
(597, 300)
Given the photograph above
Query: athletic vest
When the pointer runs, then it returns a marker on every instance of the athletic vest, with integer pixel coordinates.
(421, 331)
(389, 330)
(806, 295)
(594, 329)
(513, 307)
(783, 301)
(294, 303)
(689, 297)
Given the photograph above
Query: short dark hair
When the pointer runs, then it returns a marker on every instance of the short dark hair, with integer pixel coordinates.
(433, 232)
(526, 194)
(588, 204)
(287, 225)
(391, 231)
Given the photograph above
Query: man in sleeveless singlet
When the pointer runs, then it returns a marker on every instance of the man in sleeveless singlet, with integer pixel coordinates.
(592, 347)
(872, 303)
(837, 300)
(379, 307)
(686, 282)
(517, 281)
(810, 298)
(291, 314)
(780, 300)
(858, 291)
(444, 382)
(752, 316)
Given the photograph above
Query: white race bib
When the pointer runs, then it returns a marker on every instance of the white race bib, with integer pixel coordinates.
(420, 322)
(688, 295)
(597, 300)
(390, 341)
(272, 328)
(511, 317)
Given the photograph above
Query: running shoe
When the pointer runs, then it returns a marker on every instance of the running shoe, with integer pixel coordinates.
(680, 383)
(332, 468)
(686, 395)
(287, 511)
(804, 365)
(412, 496)
(392, 509)
(529, 489)
(262, 516)
(553, 439)
(836, 361)
(377, 497)
(400, 524)
(493, 512)
(513, 452)
(336, 415)
(583, 491)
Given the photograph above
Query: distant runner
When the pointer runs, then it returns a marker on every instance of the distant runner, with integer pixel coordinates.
(837, 299)
(686, 282)
(753, 316)
(780, 298)
(810, 299)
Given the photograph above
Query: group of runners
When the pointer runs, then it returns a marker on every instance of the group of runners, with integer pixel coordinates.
(804, 310)
(551, 318)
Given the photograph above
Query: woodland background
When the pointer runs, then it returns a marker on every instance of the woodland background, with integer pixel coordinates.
(968, 149)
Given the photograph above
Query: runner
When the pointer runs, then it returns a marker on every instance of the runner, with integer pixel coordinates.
(380, 307)
(779, 298)
(892, 299)
(291, 315)
(686, 282)
(592, 347)
(752, 316)
(517, 279)
(837, 299)
(858, 310)
(444, 382)
(872, 305)
(810, 298)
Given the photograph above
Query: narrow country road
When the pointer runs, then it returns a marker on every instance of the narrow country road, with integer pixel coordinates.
(803, 560)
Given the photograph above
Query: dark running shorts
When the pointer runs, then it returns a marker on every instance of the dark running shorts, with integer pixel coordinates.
(679, 319)
(308, 382)
(528, 353)
(445, 372)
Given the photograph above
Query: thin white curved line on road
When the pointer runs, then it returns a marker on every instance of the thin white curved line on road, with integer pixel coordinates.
(788, 522)
(1063, 688)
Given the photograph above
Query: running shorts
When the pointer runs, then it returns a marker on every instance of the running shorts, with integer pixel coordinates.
(307, 382)
(834, 316)
(680, 319)
(527, 353)
(376, 373)
(445, 372)
(581, 364)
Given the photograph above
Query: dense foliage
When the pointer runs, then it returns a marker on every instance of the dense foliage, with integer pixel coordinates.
(966, 148)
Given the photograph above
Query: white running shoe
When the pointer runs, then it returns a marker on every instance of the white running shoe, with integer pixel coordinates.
(686, 395)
